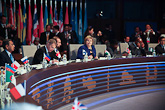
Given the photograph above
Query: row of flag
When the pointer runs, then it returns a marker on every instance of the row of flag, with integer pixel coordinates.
(19, 90)
(10, 70)
(28, 28)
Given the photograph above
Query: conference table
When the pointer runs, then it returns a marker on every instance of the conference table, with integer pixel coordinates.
(58, 85)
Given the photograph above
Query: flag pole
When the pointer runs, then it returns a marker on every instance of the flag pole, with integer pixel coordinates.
(25, 89)
(5, 73)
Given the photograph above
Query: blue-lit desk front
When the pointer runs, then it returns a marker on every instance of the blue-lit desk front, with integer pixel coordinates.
(57, 86)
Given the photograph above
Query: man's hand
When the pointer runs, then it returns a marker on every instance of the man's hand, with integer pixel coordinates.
(55, 61)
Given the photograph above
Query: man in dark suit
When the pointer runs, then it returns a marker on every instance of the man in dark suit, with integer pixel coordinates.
(67, 40)
(127, 40)
(108, 34)
(73, 34)
(6, 30)
(160, 48)
(45, 36)
(136, 34)
(57, 33)
(47, 49)
(6, 56)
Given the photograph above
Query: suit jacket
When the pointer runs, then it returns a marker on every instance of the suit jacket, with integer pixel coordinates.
(63, 42)
(2, 31)
(159, 49)
(137, 51)
(4, 58)
(134, 37)
(74, 36)
(43, 37)
(153, 38)
(84, 47)
(38, 57)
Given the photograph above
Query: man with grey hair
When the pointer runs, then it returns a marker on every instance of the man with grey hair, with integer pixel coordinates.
(47, 49)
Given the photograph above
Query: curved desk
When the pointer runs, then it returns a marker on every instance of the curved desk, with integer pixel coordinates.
(57, 86)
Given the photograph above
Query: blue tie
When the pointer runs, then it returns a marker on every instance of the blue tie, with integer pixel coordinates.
(11, 57)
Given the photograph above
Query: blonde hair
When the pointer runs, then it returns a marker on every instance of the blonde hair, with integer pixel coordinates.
(88, 37)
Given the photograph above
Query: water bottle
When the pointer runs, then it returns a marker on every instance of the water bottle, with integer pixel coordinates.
(86, 58)
(108, 56)
(64, 59)
(154, 53)
(130, 55)
(44, 63)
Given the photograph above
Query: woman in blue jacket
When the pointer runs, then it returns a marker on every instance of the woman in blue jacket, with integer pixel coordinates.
(87, 48)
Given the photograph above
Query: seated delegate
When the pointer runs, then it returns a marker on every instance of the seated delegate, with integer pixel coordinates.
(87, 48)
(47, 49)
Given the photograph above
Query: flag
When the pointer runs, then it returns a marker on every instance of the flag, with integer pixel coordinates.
(20, 22)
(13, 80)
(66, 14)
(14, 14)
(72, 17)
(76, 22)
(25, 60)
(29, 26)
(5, 11)
(41, 25)
(128, 50)
(0, 7)
(55, 21)
(11, 13)
(51, 13)
(107, 53)
(35, 23)
(9, 73)
(18, 91)
(45, 15)
(78, 106)
(58, 54)
(24, 24)
(15, 65)
(47, 57)
(85, 19)
(80, 23)
(61, 19)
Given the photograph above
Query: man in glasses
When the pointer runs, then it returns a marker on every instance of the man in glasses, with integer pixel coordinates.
(48, 49)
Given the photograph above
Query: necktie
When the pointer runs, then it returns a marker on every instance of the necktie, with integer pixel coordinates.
(47, 37)
(11, 57)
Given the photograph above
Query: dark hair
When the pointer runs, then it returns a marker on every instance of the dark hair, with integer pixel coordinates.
(6, 42)
(126, 36)
(87, 31)
(47, 26)
(1, 38)
(160, 38)
(2, 17)
(66, 25)
(138, 27)
(56, 27)
(70, 25)
(149, 24)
